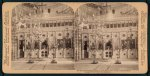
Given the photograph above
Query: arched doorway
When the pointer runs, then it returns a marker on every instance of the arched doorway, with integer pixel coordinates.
(108, 50)
(44, 48)
(85, 49)
(21, 48)
(85, 46)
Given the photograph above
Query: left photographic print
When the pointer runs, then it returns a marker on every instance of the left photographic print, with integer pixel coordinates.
(42, 33)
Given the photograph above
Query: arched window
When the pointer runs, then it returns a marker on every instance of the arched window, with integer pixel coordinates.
(100, 46)
(132, 44)
(33, 25)
(28, 46)
(36, 11)
(58, 24)
(49, 10)
(60, 43)
(84, 27)
(107, 35)
(93, 46)
(47, 24)
(68, 43)
(22, 26)
(51, 24)
(45, 44)
(123, 35)
(122, 24)
(124, 44)
(54, 24)
(66, 23)
(108, 45)
(62, 24)
(43, 25)
(42, 10)
(107, 25)
(100, 12)
(21, 36)
(113, 11)
(90, 26)
(119, 25)
(28, 25)
(115, 25)
(67, 34)
(71, 23)
(36, 45)
(43, 35)
(59, 34)
(134, 24)
(111, 25)
(126, 24)
(130, 24)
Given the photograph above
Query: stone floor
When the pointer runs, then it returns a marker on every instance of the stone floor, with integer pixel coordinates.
(64, 64)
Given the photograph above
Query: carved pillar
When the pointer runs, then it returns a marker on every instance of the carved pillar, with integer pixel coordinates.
(25, 44)
(79, 52)
(18, 50)
(64, 51)
(39, 52)
(81, 46)
(76, 50)
(103, 49)
(76, 46)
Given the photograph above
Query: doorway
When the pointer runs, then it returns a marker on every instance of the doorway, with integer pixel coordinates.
(85, 49)
(108, 50)
(44, 47)
(21, 48)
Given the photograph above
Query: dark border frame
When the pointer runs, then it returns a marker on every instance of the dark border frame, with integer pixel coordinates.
(148, 35)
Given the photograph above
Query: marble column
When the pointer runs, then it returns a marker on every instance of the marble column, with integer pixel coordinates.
(103, 50)
(25, 45)
(39, 52)
(64, 51)
(82, 50)
(18, 50)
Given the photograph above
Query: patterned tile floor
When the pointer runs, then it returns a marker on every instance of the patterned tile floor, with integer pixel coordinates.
(71, 65)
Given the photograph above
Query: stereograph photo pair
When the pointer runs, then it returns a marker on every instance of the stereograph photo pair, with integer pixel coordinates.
(75, 37)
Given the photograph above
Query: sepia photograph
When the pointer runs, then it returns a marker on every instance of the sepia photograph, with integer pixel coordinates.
(96, 37)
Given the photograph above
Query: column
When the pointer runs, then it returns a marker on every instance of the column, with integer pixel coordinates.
(136, 42)
(79, 51)
(81, 46)
(78, 44)
(77, 54)
(64, 48)
(64, 51)
(96, 49)
(103, 50)
(112, 45)
(39, 52)
(75, 45)
(25, 45)
(18, 50)
(55, 49)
